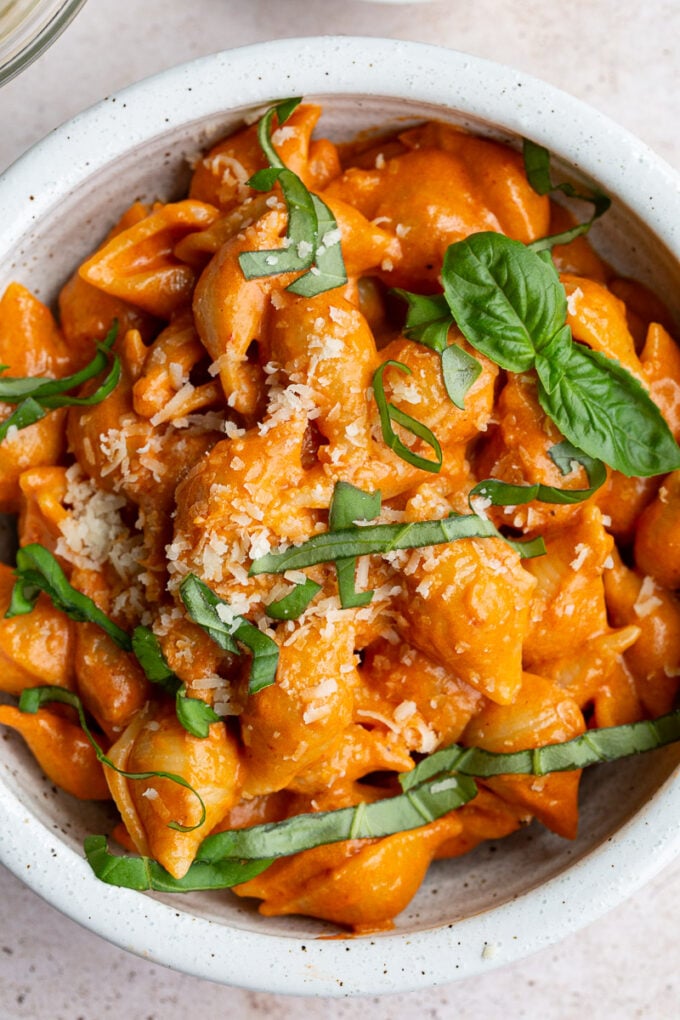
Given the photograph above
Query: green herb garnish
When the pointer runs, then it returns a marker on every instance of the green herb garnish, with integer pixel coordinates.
(194, 714)
(389, 413)
(312, 240)
(331, 546)
(293, 605)
(348, 505)
(34, 698)
(225, 858)
(440, 783)
(35, 396)
(428, 320)
(564, 456)
(203, 606)
(143, 873)
(509, 303)
(537, 169)
(598, 745)
(37, 570)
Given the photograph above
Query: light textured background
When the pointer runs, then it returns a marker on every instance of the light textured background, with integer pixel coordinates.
(623, 58)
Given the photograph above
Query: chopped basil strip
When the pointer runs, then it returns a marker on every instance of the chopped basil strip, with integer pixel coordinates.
(34, 698)
(192, 713)
(537, 168)
(348, 505)
(27, 413)
(300, 241)
(37, 395)
(201, 604)
(203, 607)
(14, 390)
(142, 873)
(389, 413)
(312, 240)
(564, 456)
(510, 304)
(293, 605)
(384, 538)
(328, 270)
(422, 804)
(265, 655)
(428, 320)
(282, 110)
(593, 746)
(37, 570)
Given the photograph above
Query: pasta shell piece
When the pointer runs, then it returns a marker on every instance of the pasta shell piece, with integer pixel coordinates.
(657, 536)
(303, 716)
(593, 673)
(422, 393)
(660, 358)
(156, 741)
(361, 884)
(598, 318)
(236, 502)
(654, 659)
(568, 605)
(86, 313)
(326, 341)
(541, 713)
(163, 391)
(38, 445)
(498, 173)
(487, 816)
(221, 176)
(61, 749)
(35, 649)
(230, 312)
(110, 682)
(622, 500)
(139, 266)
(42, 512)
(333, 778)
(396, 677)
(517, 451)
(365, 245)
(31, 343)
(466, 606)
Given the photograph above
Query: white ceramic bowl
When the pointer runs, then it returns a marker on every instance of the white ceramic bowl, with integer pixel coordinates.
(486, 908)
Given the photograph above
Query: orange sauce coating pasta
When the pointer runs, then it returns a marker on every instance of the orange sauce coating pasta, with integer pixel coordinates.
(241, 405)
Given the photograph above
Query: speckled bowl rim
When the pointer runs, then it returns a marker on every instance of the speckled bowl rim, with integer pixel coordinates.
(595, 146)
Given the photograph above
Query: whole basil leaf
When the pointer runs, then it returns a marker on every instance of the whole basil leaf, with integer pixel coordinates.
(507, 300)
(604, 411)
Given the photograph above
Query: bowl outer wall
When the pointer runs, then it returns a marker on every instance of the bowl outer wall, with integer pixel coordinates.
(52, 172)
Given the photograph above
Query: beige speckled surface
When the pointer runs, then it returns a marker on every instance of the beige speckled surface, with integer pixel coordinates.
(622, 58)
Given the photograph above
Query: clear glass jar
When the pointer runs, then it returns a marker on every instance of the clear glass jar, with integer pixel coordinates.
(27, 27)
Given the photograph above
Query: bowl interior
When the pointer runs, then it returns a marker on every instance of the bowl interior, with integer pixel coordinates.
(42, 258)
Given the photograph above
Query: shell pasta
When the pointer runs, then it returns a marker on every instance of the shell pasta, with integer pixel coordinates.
(294, 515)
